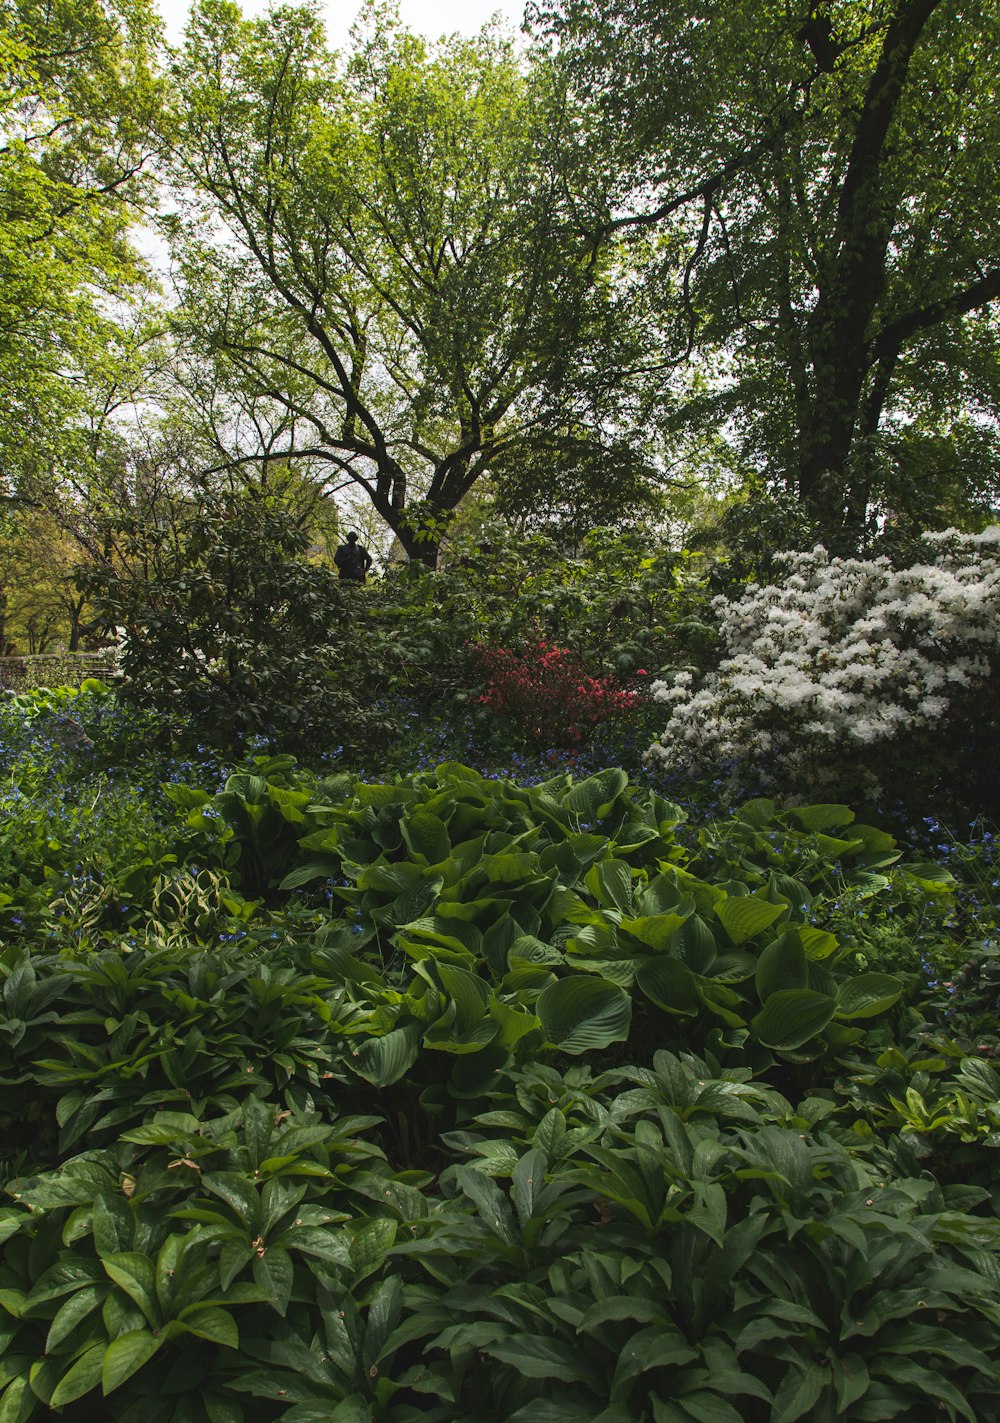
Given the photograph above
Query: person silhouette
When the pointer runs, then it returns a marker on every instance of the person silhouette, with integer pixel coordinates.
(353, 560)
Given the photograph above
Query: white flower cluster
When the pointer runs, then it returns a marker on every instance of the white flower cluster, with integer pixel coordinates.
(844, 654)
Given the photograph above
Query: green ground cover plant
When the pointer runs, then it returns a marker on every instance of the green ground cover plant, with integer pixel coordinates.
(455, 1098)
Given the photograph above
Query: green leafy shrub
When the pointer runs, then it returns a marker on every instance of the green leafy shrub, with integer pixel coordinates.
(142, 1270)
(452, 1099)
(625, 601)
(506, 921)
(229, 627)
(742, 1266)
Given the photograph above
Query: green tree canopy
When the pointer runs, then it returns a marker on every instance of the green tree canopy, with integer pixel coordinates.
(820, 176)
(387, 258)
(77, 95)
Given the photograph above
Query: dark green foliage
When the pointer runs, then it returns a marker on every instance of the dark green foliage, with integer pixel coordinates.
(623, 601)
(749, 532)
(457, 1100)
(227, 625)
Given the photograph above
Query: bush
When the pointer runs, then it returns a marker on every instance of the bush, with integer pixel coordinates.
(548, 694)
(623, 603)
(848, 671)
(492, 1104)
(237, 637)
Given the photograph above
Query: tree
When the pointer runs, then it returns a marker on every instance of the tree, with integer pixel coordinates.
(822, 178)
(383, 263)
(78, 93)
(41, 609)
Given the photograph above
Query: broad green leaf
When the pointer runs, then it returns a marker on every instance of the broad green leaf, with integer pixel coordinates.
(125, 1356)
(583, 1013)
(221, 1409)
(371, 1243)
(930, 875)
(610, 882)
(238, 1193)
(135, 1274)
(70, 1314)
(385, 1306)
(305, 874)
(489, 1200)
(743, 918)
(215, 1325)
(467, 991)
(791, 1017)
(670, 984)
(818, 944)
(84, 1375)
(66, 1276)
(781, 965)
(653, 1347)
(757, 812)
(18, 1403)
(426, 836)
(550, 1135)
(273, 1272)
(822, 817)
(542, 1358)
(798, 1392)
(867, 995)
(591, 799)
(527, 1183)
(545, 1410)
(696, 945)
(656, 930)
(382, 1061)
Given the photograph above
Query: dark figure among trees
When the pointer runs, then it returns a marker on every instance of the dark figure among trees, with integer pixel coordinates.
(353, 560)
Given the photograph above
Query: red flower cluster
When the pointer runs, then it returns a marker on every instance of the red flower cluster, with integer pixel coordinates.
(548, 693)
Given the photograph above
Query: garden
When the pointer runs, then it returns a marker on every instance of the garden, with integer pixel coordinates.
(528, 1076)
(543, 964)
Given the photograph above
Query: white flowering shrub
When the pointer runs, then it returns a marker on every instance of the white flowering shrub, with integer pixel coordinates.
(848, 665)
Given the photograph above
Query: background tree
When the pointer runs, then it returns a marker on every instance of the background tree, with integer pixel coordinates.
(77, 94)
(824, 188)
(41, 608)
(383, 253)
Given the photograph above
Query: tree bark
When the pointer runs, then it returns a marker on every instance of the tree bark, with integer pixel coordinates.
(838, 332)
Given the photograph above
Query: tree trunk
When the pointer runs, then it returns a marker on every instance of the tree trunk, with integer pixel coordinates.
(839, 329)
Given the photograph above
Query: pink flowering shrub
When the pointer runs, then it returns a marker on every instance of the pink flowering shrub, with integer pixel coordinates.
(849, 669)
(548, 694)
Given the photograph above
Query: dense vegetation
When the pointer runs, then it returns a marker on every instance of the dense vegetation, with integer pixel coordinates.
(558, 980)
(452, 1097)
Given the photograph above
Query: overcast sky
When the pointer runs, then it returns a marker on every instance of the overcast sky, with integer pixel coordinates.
(432, 18)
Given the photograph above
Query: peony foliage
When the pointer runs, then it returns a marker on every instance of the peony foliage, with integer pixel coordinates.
(845, 664)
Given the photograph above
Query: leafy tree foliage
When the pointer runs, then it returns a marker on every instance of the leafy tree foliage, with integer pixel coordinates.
(823, 189)
(40, 606)
(385, 260)
(76, 99)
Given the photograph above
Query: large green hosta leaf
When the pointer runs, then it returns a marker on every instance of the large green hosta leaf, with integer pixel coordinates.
(747, 916)
(583, 1013)
(670, 984)
(593, 798)
(791, 1017)
(867, 995)
(382, 1061)
(822, 817)
(427, 836)
(781, 965)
